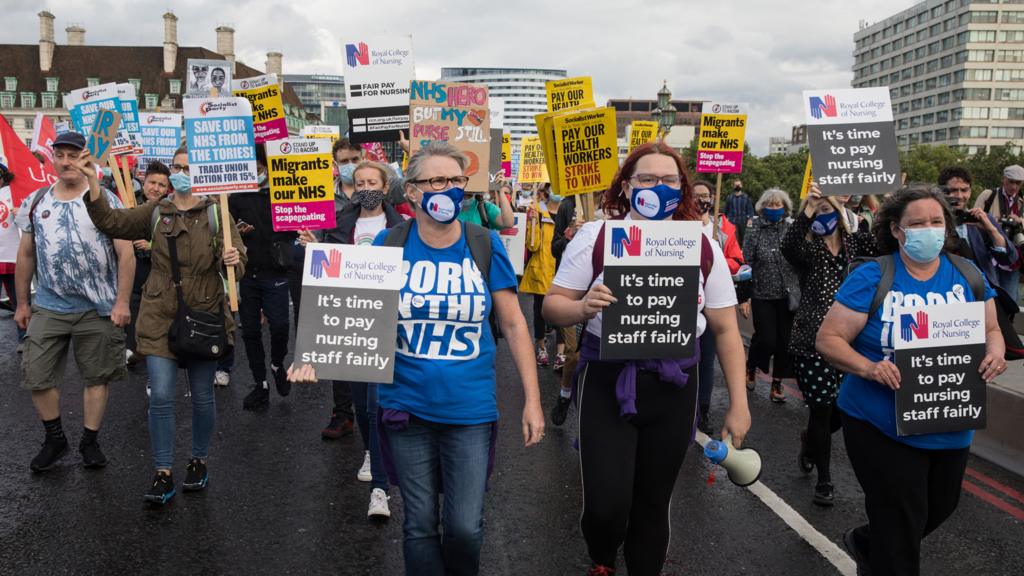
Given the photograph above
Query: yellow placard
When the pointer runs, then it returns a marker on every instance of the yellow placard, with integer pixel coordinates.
(546, 133)
(570, 93)
(642, 132)
(506, 147)
(805, 188)
(720, 138)
(532, 169)
(264, 95)
(301, 184)
(585, 150)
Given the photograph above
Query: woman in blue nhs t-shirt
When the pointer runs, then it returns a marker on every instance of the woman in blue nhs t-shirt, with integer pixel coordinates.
(439, 415)
(911, 483)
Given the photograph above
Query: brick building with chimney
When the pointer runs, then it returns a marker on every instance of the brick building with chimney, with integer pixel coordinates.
(34, 78)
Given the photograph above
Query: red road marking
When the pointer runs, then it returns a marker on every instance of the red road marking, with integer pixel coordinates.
(993, 500)
(996, 485)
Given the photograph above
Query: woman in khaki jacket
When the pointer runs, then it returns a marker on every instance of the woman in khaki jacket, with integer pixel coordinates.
(201, 258)
(540, 270)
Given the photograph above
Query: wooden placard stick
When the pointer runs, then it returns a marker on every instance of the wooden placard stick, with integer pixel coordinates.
(126, 175)
(718, 201)
(128, 199)
(586, 205)
(225, 215)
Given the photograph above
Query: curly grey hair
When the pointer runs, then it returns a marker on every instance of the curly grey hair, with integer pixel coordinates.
(774, 194)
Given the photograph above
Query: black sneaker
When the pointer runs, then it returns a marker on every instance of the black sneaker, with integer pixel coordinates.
(92, 456)
(858, 550)
(284, 387)
(161, 491)
(824, 494)
(258, 398)
(51, 451)
(560, 411)
(196, 477)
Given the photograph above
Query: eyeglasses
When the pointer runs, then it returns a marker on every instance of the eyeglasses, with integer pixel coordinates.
(964, 189)
(649, 180)
(175, 168)
(441, 182)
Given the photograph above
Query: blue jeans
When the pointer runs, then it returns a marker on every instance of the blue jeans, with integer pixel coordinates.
(163, 377)
(364, 396)
(270, 296)
(426, 454)
(706, 377)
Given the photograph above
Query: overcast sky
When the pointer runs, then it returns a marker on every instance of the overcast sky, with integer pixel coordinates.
(763, 53)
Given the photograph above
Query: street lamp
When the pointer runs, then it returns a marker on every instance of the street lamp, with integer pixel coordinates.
(665, 113)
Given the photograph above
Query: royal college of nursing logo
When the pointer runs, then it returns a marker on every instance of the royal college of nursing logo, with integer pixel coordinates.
(626, 242)
(914, 326)
(824, 107)
(325, 263)
(357, 54)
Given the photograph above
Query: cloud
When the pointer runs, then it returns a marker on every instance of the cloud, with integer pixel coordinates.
(763, 53)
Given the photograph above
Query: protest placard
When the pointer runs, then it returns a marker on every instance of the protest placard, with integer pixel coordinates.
(517, 152)
(456, 113)
(102, 135)
(497, 108)
(84, 104)
(301, 184)
(852, 139)
(160, 134)
(514, 239)
(720, 140)
(378, 71)
(586, 151)
(938, 350)
(374, 151)
(532, 168)
(570, 93)
(495, 169)
(130, 117)
(347, 325)
(43, 135)
(202, 76)
(506, 155)
(642, 132)
(653, 268)
(320, 131)
(264, 96)
(221, 151)
(10, 236)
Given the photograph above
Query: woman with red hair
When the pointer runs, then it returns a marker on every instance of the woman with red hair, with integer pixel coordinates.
(636, 417)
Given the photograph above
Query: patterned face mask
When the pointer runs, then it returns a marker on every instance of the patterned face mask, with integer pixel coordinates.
(368, 199)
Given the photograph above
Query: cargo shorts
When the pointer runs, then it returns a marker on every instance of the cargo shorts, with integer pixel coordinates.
(98, 344)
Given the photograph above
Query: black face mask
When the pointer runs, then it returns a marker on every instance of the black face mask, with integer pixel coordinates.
(737, 189)
(704, 206)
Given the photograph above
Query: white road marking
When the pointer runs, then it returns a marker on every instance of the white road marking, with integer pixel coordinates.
(834, 554)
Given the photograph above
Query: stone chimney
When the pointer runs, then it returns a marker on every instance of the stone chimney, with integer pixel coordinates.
(46, 43)
(226, 43)
(273, 65)
(76, 35)
(170, 42)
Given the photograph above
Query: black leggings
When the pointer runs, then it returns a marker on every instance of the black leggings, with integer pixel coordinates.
(630, 467)
(819, 382)
(539, 325)
(908, 493)
(773, 323)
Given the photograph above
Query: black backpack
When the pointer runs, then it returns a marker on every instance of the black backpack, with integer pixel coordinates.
(479, 240)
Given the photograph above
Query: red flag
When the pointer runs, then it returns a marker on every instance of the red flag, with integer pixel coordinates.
(29, 174)
(43, 136)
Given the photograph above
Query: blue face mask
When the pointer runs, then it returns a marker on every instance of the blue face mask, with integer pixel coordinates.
(773, 214)
(655, 203)
(443, 206)
(261, 178)
(923, 244)
(556, 197)
(825, 224)
(181, 183)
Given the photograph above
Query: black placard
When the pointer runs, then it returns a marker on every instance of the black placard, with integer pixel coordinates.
(656, 313)
(940, 390)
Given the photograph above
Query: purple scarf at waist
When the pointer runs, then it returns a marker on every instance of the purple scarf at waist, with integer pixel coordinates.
(671, 371)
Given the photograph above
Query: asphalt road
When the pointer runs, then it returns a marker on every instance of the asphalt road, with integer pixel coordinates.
(282, 501)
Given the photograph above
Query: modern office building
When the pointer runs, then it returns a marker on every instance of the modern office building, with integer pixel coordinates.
(954, 69)
(523, 90)
(315, 89)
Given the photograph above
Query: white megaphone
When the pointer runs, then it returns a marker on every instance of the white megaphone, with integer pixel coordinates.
(743, 465)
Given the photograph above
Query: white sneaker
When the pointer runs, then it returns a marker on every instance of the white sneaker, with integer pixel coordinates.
(221, 378)
(128, 356)
(365, 472)
(378, 504)
(149, 388)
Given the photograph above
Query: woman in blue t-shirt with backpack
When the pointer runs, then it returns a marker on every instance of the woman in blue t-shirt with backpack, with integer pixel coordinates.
(439, 415)
(911, 483)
